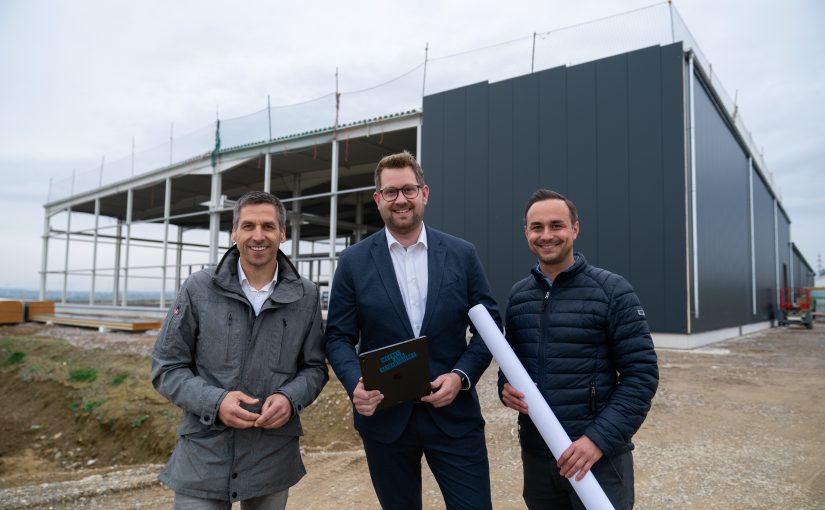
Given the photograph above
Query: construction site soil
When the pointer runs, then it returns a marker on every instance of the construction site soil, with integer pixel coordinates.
(735, 425)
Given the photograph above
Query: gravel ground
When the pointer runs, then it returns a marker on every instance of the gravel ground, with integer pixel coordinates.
(737, 425)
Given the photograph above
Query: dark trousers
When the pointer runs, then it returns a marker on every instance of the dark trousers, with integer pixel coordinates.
(460, 466)
(544, 487)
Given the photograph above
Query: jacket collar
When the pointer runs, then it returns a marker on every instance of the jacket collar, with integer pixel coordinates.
(578, 265)
(288, 288)
(386, 272)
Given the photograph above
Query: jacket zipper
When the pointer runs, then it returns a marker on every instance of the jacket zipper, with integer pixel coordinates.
(593, 399)
(228, 335)
(542, 340)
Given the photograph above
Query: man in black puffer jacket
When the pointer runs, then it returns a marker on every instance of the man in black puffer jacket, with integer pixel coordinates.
(581, 334)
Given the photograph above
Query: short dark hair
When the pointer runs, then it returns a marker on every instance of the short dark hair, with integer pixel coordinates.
(259, 197)
(542, 194)
(402, 159)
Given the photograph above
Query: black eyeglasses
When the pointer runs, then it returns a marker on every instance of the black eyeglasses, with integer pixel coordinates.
(409, 191)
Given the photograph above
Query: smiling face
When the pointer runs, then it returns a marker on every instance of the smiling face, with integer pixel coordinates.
(550, 234)
(402, 216)
(258, 237)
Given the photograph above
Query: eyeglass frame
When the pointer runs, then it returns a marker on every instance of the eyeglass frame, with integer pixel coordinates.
(418, 188)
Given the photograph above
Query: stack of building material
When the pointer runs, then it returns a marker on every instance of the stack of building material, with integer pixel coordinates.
(11, 311)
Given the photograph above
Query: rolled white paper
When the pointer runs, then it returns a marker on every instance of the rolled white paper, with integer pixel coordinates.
(588, 489)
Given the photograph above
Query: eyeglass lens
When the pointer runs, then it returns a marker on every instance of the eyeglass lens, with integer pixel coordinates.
(392, 193)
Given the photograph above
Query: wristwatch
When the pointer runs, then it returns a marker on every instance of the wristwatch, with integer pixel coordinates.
(465, 382)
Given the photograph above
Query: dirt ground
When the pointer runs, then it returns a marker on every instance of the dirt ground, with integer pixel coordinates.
(735, 425)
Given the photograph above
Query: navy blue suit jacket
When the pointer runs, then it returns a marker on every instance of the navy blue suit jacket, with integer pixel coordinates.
(366, 305)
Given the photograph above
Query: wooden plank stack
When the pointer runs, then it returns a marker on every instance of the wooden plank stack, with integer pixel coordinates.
(11, 311)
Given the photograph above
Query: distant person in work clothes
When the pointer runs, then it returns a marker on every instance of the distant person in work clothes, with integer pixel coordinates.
(242, 354)
(405, 281)
(582, 336)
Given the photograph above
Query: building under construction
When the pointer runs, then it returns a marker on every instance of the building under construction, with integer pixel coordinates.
(671, 191)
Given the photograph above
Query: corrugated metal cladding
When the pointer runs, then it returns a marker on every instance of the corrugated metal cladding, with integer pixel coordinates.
(728, 283)
(609, 134)
(803, 273)
(723, 220)
(765, 261)
(784, 249)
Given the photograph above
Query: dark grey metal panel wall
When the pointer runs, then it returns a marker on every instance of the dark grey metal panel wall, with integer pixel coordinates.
(804, 274)
(784, 249)
(609, 134)
(723, 220)
(763, 242)
(674, 192)
(500, 264)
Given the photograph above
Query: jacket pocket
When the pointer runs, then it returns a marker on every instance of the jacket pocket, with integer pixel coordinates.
(215, 337)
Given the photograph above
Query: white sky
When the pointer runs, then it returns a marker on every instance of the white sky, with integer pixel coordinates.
(79, 79)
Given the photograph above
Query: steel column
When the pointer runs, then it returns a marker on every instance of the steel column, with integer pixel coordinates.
(215, 215)
(295, 236)
(130, 201)
(94, 252)
(333, 210)
(167, 210)
(66, 257)
(44, 258)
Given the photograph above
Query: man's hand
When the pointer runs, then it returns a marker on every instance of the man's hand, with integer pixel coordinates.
(579, 457)
(446, 388)
(233, 415)
(366, 401)
(513, 398)
(276, 411)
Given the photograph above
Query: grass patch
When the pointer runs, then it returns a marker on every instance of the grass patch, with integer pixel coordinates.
(91, 405)
(83, 375)
(140, 420)
(118, 379)
(14, 358)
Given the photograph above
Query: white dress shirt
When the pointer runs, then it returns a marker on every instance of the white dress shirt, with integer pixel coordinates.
(256, 296)
(410, 266)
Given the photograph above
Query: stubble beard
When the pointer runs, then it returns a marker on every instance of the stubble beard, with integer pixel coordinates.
(406, 226)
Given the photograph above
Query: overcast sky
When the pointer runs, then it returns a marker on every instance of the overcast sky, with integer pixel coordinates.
(80, 79)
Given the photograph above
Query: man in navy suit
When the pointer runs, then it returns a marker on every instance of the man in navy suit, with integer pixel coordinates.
(404, 281)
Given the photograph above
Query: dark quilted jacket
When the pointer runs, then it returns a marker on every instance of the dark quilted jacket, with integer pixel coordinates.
(586, 344)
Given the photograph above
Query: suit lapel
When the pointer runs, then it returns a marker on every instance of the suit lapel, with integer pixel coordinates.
(386, 272)
(436, 254)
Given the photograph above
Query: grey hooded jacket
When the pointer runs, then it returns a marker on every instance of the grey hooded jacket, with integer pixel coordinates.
(211, 343)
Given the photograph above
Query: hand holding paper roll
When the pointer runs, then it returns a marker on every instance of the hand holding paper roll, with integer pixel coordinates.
(514, 399)
(588, 489)
(579, 456)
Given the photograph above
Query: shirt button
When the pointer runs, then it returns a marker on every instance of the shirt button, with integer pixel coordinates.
(234, 495)
(234, 475)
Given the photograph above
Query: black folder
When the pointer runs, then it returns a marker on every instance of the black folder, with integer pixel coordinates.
(400, 371)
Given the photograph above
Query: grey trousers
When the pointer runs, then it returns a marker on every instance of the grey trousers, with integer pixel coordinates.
(275, 501)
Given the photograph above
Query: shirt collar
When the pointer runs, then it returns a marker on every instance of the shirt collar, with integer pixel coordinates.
(422, 238)
(242, 279)
(547, 279)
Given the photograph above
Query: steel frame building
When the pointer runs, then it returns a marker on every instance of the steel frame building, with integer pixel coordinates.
(325, 179)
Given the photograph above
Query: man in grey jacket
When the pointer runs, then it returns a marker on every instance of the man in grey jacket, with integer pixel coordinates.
(242, 354)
